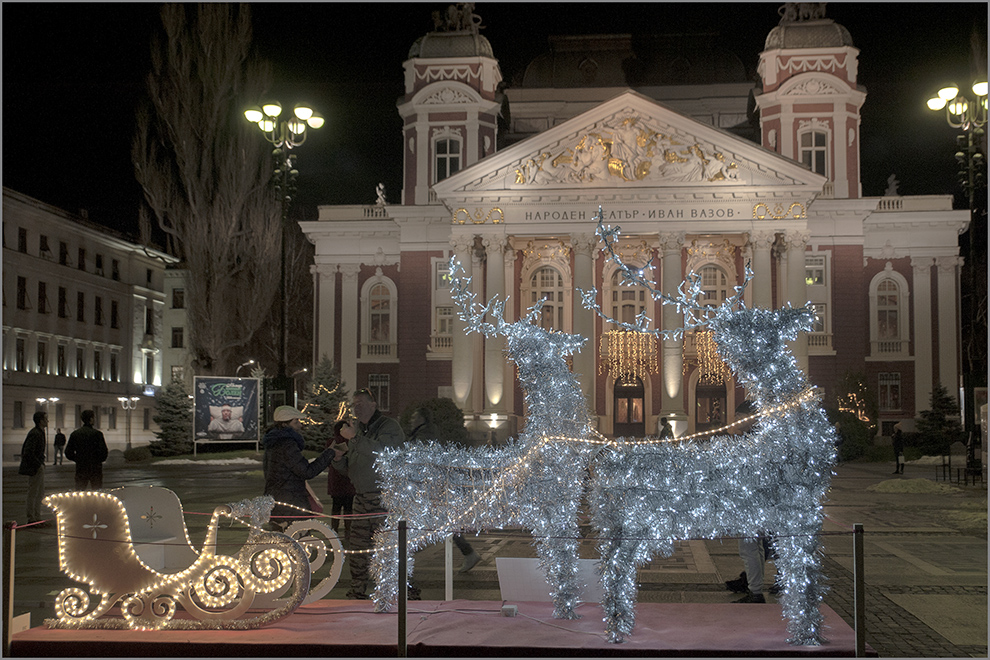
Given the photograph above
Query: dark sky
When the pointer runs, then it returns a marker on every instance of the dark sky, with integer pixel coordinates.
(74, 73)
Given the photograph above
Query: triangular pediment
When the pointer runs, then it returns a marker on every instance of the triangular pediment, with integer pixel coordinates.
(626, 143)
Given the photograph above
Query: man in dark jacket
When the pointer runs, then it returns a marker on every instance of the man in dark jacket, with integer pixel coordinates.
(88, 448)
(33, 465)
(286, 469)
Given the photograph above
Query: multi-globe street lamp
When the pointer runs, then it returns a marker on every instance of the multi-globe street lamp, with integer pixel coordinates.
(129, 404)
(285, 135)
(970, 115)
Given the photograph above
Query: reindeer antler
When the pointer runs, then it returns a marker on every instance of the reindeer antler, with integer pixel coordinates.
(472, 313)
(696, 314)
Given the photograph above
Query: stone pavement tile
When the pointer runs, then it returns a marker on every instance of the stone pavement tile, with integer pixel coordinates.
(960, 618)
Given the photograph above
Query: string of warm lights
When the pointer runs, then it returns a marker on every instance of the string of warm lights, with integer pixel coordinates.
(627, 354)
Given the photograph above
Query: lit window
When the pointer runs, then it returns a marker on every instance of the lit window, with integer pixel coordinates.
(627, 301)
(814, 145)
(547, 283)
(714, 285)
(448, 153)
(814, 271)
(443, 276)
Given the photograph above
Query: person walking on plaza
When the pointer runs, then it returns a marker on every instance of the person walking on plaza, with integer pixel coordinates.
(423, 429)
(898, 444)
(88, 448)
(356, 460)
(339, 488)
(666, 430)
(33, 465)
(59, 447)
(286, 469)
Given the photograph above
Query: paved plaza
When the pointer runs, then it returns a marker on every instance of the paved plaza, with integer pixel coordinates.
(925, 552)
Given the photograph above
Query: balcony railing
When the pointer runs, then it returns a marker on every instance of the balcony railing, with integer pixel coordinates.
(377, 350)
(890, 347)
(819, 342)
(441, 343)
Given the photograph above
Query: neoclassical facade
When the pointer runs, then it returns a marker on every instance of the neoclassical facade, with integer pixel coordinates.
(695, 187)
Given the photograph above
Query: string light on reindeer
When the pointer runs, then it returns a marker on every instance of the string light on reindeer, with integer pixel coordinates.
(771, 481)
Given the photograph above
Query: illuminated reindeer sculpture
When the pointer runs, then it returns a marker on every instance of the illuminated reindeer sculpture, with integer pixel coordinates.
(534, 481)
(647, 493)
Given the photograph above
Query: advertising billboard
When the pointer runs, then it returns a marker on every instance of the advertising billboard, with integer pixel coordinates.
(226, 409)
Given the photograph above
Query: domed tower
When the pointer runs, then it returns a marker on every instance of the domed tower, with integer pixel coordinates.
(450, 108)
(809, 103)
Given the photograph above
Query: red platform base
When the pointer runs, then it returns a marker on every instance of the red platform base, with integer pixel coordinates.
(462, 628)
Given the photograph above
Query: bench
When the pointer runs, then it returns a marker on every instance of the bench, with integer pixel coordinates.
(158, 528)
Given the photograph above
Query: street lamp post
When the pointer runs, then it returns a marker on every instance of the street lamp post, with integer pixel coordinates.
(295, 392)
(238, 372)
(129, 404)
(970, 115)
(285, 135)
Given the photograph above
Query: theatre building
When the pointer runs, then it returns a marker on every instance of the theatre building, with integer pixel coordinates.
(702, 171)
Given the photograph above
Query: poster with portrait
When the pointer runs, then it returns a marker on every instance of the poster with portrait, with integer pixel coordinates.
(226, 408)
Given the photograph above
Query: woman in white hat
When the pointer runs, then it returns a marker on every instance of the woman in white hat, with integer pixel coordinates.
(286, 469)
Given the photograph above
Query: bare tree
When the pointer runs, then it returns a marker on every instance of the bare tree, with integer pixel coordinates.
(205, 174)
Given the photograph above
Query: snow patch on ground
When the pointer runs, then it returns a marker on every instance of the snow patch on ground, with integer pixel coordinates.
(923, 486)
(211, 461)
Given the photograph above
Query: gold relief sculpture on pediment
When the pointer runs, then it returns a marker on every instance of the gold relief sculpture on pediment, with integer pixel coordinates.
(712, 250)
(479, 217)
(626, 150)
(778, 211)
(546, 251)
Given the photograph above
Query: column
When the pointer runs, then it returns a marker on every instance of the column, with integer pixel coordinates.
(671, 350)
(462, 362)
(584, 319)
(948, 323)
(494, 346)
(508, 367)
(325, 292)
(762, 242)
(350, 315)
(922, 317)
(797, 288)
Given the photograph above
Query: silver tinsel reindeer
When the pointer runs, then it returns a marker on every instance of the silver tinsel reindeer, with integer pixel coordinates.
(535, 481)
(647, 493)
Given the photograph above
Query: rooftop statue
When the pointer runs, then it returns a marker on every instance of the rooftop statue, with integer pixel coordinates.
(460, 17)
(792, 12)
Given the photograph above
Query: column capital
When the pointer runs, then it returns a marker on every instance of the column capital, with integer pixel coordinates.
(494, 245)
(324, 270)
(462, 242)
(671, 241)
(350, 271)
(584, 243)
(797, 239)
(922, 265)
(762, 240)
(948, 264)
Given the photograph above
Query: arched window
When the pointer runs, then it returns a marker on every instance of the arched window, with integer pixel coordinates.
(627, 301)
(378, 331)
(714, 285)
(889, 331)
(448, 158)
(813, 151)
(547, 282)
(380, 310)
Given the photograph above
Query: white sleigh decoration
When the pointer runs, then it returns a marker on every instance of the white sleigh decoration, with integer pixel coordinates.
(216, 591)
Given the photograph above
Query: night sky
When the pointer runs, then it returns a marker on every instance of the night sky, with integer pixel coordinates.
(74, 73)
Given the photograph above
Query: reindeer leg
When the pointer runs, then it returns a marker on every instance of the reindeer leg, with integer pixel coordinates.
(617, 568)
(799, 562)
(557, 547)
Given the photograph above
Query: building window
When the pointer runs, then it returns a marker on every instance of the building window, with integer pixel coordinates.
(42, 357)
(548, 283)
(60, 360)
(627, 301)
(80, 362)
(43, 306)
(147, 276)
(890, 391)
(149, 368)
(445, 321)
(448, 152)
(813, 150)
(380, 306)
(714, 285)
(114, 316)
(821, 318)
(80, 306)
(98, 312)
(22, 240)
(59, 415)
(147, 419)
(443, 276)
(112, 422)
(98, 365)
(22, 293)
(78, 415)
(18, 421)
(178, 373)
(63, 303)
(115, 270)
(82, 259)
(43, 248)
(177, 337)
(814, 271)
(20, 356)
(149, 325)
(379, 386)
(113, 367)
(178, 298)
(887, 310)
(63, 253)
(99, 264)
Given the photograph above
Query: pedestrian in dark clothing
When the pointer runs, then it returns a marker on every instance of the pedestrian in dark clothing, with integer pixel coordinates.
(423, 429)
(59, 447)
(339, 487)
(286, 469)
(898, 442)
(33, 465)
(88, 448)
